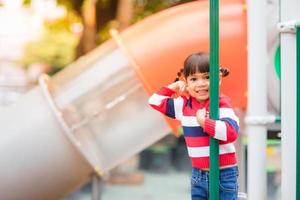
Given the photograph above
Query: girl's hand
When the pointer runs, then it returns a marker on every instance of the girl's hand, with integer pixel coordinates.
(201, 115)
(179, 87)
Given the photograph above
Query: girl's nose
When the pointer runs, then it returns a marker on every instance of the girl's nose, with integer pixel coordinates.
(202, 82)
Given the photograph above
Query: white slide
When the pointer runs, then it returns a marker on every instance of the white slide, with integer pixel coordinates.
(56, 136)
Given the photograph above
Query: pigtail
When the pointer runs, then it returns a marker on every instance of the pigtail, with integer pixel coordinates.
(224, 71)
(179, 75)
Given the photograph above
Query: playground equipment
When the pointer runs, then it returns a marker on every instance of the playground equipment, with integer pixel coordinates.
(257, 99)
(94, 114)
(290, 98)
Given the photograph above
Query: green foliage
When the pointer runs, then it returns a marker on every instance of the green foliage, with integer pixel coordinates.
(76, 5)
(56, 47)
(145, 8)
(104, 34)
(70, 5)
(27, 2)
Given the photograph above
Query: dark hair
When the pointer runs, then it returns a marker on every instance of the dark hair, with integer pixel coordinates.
(198, 62)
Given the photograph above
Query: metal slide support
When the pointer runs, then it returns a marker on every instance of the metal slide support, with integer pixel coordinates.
(214, 97)
(289, 10)
(257, 100)
(97, 186)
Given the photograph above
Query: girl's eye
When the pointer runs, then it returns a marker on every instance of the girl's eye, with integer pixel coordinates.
(193, 79)
(206, 77)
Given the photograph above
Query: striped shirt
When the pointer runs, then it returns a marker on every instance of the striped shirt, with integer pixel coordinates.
(197, 138)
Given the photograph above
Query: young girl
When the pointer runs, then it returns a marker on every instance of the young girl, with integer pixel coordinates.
(187, 100)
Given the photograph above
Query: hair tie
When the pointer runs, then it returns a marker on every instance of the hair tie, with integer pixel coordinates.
(179, 75)
(224, 71)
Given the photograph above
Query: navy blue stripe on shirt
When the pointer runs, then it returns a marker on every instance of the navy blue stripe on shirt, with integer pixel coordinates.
(193, 131)
(232, 123)
(189, 103)
(170, 111)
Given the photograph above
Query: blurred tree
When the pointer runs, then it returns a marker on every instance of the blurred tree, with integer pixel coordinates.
(56, 47)
(124, 13)
(88, 40)
(145, 8)
(27, 2)
(95, 15)
(91, 21)
(99, 16)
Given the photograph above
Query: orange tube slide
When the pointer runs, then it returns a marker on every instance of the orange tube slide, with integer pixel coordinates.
(173, 34)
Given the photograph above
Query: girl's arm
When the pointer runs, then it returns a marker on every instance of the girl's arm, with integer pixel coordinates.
(164, 102)
(225, 129)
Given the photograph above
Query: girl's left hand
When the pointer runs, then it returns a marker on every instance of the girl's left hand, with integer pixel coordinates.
(200, 115)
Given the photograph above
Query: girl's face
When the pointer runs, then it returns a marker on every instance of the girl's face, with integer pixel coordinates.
(198, 86)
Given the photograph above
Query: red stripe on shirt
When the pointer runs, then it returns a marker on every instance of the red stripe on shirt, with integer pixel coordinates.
(197, 141)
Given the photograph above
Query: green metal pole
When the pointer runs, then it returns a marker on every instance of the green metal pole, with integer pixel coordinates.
(298, 112)
(214, 97)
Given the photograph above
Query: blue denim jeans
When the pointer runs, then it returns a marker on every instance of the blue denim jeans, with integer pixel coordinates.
(228, 185)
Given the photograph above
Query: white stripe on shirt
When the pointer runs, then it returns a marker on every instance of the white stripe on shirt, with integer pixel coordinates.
(178, 106)
(224, 113)
(220, 130)
(156, 99)
(190, 121)
(228, 113)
